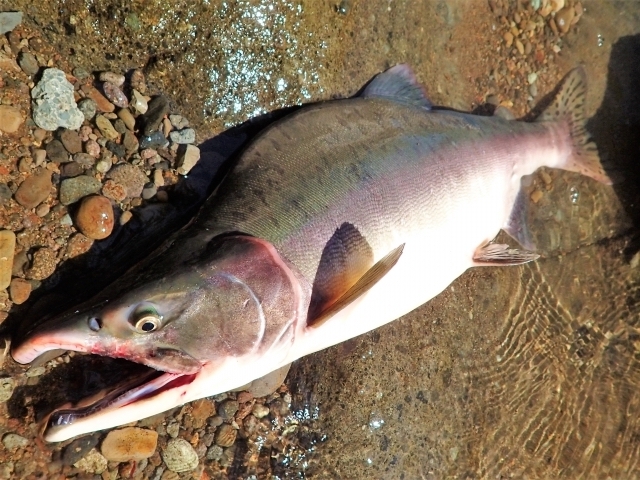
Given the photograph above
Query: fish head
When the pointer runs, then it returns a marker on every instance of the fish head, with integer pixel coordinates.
(239, 302)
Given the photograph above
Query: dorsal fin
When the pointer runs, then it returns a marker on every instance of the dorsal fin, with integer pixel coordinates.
(399, 84)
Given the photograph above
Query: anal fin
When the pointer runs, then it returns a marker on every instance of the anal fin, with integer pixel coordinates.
(501, 254)
(362, 285)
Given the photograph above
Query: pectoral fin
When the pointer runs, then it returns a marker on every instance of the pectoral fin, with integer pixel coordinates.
(500, 254)
(363, 284)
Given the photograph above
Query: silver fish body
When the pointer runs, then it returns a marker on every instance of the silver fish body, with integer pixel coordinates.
(336, 220)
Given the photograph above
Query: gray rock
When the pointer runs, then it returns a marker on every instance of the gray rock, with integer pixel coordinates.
(116, 78)
(179, 456)
(130, 177)
(115, 148)
(13, 441)
(188, 135)
(149, 191)
(84, 159)
(71, 169)
(88, 107)
(178, 121)
(158, 108)
(28, 63)
(120, 126)
(5, 194)
(73, 189)
(9, 21)
(53, 103)
(227, 409)
(56, 152)
(77, 449)
(81, 73)
(130, 142)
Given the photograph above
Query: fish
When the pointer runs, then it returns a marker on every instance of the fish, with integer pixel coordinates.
(335, 220)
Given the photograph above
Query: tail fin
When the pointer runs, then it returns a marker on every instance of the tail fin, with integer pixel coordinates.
(568, 106)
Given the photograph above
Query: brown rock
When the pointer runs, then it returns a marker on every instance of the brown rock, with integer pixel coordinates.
(10, 118)
(44, 264)
(19, 289)
(71, 141)
(226, 435)
(7, 251)
(130, 443)
(35, 189)
(201, 411)
(114, 191)
(103, 104)
(95, 217)
(106, 128)
(115, 95)
(130, 177)
(78, 244)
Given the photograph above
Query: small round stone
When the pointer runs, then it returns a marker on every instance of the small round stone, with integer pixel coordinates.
(35, 189)
(19, 290)
(115, 95)
(116, 78)
(130, 443)
(180, 456)
(226, 435)
(11, 118)
(92, 148)
(95, 217)
(88, 107)
(228, 409)
(149, 191)
(114, 191)
(125, 217)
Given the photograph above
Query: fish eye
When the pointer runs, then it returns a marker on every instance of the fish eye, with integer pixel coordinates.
(95, 323)
(147, 320)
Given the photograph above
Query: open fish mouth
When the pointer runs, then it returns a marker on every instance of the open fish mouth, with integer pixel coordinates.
(57, 424)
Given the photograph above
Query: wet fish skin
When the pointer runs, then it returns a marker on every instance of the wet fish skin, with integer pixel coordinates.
(320, 199)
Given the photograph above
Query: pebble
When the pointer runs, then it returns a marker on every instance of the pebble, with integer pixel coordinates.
(114, 191)
(95, 217)
(125, 217)
(84, 159)
(508, 38)
(225, 435)
(43, 264)
(130, 142)
(260, 411)
(5, 194)
(127, 117)
(178, 121)
(130, 443)
(119, 126)
(155, 140)
(188, 159)
(188, 135)
(102, 103)
(138, 102)
(166, 127)
(115, 95)
(28, 63)
(158, 108)
(104, 165)
(115, 148)
(9, 21)
(71, 141)
(71, 169)
(77, 245)
(214, 452)
(73, 189)
(78, 448)
(533, 90)
(93, 462)
(179, 456)
(7, 251)
(35, 189)
(227, 409)
(56, 152)
(116, 78)
(564, 18)
(34, 371)
(130, 177)
(7, 384)
(39, 155)
(43, 210)
(11, 118)
(158, 178)
(19, 290)
(92, 148)
(520, 46)
(13, 441)
(162, 196)
(54, 105)
(88, 107)
(149, 191)
(106, 127)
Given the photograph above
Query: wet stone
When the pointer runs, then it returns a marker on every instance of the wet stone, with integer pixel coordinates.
(78, 448)
(117, 149)
(35, 189)
(7, 384)
(158, 108)
(179, 456)
(73, 189)
(71, 169)
(13, 441)
(155, 140)
(53, 102)
(28, 63)
(71, 141)
(19, 290)
(95, 217)
(115, 95)
(56, 152)
(7, 250)
(43, 265)
(116, 78)
(88, 107)
(130, 443)
(188, 135)
(11, 118)
(130, 177)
